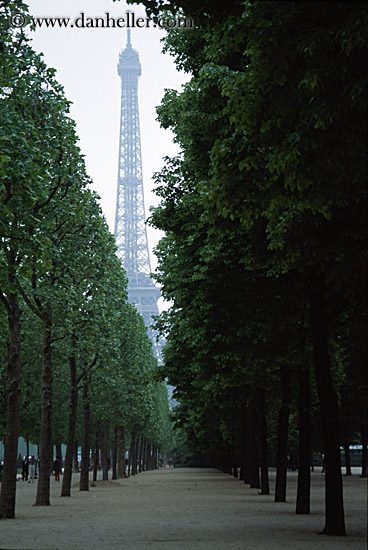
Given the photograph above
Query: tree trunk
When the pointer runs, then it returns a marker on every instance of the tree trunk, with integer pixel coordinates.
(243, 446)
(154, 457)
(86, 440)
(114, 452)
(233, 459)
(144, 456)
(136, 452)
(334, 521)
(254, 454)
(45, 466)
(152, 465)
(149, 456)
(14, 375)
(75, 457)
(364, 450)
(132, 454)
(153, 450)
(157, 454)
(105, 451)
(227, 462)
(347, 459)
(96, 458)
(282, 436)
(121, 453)
(294, 461)
(244, 469)
(140, 459)
(265, 488)
(303, 493)
(72, 421)
(129, 466)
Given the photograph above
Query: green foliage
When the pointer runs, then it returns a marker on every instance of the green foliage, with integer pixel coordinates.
(57, 254)
(269, 185)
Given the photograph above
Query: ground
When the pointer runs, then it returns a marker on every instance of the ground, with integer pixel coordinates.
(186, 509)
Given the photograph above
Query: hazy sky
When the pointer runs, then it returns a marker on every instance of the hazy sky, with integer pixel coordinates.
(86, 60)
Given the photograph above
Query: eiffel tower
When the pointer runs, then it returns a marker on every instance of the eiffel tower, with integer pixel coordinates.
(130, 228)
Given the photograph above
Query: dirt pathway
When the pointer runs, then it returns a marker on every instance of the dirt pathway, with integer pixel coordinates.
(184, 509)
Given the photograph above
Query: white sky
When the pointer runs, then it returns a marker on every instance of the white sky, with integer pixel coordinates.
(86, 60)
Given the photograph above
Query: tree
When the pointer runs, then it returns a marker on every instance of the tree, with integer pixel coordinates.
(57, 259)
(277, 93)
(33, 173)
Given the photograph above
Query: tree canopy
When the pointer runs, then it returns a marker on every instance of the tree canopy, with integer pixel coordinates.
(65, 322)
(264, 254)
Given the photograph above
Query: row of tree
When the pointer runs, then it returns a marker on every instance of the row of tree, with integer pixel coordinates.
(65, 324)
(264, 257)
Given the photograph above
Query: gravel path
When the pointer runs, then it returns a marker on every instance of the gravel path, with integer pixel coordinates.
(186, 509)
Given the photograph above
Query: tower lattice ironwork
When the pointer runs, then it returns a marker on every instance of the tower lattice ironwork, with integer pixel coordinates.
(130, 228)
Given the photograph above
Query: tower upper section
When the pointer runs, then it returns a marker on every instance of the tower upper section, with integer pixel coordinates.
(129, 67)
(130, 228)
